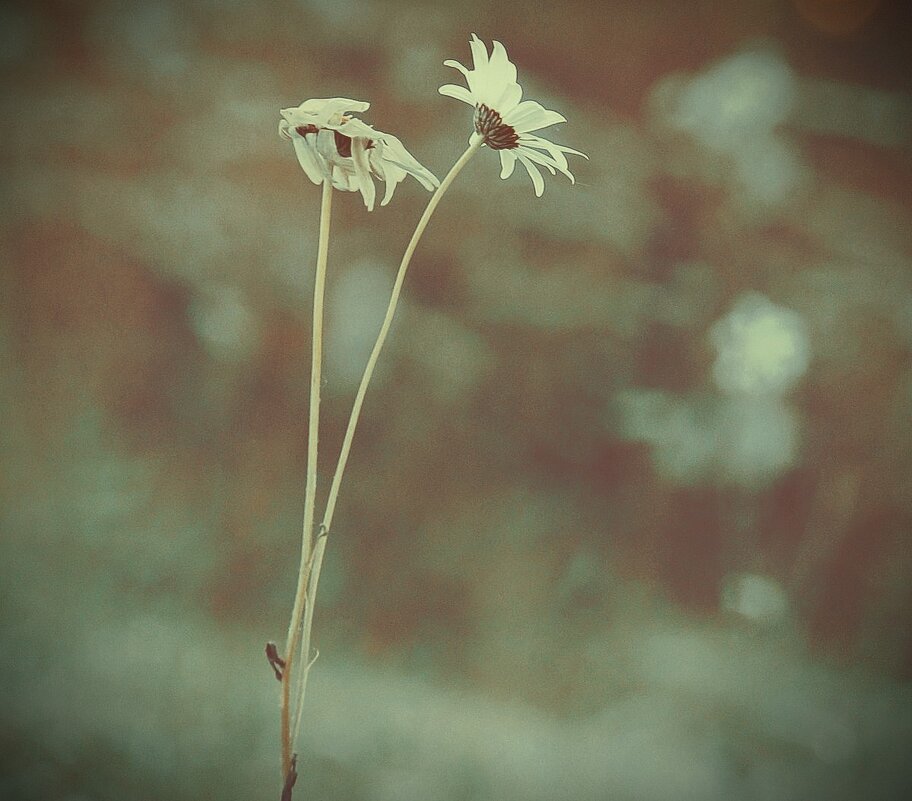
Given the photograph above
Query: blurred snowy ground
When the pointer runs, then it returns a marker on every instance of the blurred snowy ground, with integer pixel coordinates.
(629, 510)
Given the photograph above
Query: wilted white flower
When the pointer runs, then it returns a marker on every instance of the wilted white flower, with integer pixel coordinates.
(503, 120)
(332, 145)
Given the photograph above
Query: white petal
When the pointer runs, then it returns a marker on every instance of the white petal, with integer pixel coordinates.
(353, 127)
(555, 150)
(507, 163)
(479, 52)
(552, 152)
(479, 79)
(330, 105)
(538, 158)
(308, 159)
(393, 177)
(343, 180)
(504, 68)
(537, 181)
(362, 172)
(458, 92)
(479, 86)
(530, 116)
(508, 99)
(388, 194)
(393, 152)
(492, 81)
(456, 65)
(325, 145)
(527, 142)
(546, 161)
(320, 111)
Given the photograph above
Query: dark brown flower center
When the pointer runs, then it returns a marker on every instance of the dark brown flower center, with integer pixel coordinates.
(344, 144)
(492, 129)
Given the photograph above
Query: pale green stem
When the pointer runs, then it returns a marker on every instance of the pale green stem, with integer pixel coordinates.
(310, 492)
(320, 545)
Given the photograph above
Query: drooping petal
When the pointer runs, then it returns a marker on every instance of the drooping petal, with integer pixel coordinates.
(546, 161)
(392, 151)
(326, 107)
(537, 181)
(457, 92)
(307, 158)
(320, 111)
(538, 158)
(393, 177)
(362, 172)
(553, 149)
(528, 141)
(343, 179)
(507, 163)
(325, 145)
(352, 127)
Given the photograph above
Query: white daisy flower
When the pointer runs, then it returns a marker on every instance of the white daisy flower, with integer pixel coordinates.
(332, 145)
(505, 121)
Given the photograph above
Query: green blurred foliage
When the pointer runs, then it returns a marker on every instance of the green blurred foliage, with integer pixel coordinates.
(628, 511)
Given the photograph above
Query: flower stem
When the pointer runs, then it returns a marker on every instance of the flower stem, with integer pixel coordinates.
(320, 544)
(310, 493)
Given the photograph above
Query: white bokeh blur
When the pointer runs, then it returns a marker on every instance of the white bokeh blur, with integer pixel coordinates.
(736, 108)
(762, 349)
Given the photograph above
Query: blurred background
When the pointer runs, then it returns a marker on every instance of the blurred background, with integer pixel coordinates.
(628, 513)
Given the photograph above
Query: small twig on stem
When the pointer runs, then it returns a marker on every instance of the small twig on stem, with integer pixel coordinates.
(290, 778)
(275, 661)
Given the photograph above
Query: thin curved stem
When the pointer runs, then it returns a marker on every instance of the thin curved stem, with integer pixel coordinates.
(320, 545)
(310, 493)
(385, 327)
